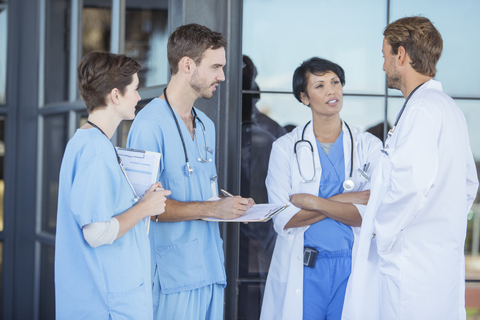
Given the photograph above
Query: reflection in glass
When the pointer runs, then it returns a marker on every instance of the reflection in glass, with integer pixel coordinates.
(124, 127)
(2, 157)
(471, 110)
(363, 112)
(347, 32)
(146, 35)
(1, 277)
(57, 42)
(394, 106)
(284, 109)
(3, 52)
(47, 286)
(257, 240)
(96, 28)
(249, 308)
(55, 141)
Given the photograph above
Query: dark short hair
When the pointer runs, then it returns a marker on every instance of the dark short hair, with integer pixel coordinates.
(316, 66)
(100, 72)
(192, 40)
(421, 40)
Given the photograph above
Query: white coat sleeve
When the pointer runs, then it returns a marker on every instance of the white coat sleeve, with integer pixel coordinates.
(414, 167)
(472, 180)
(373, 145)
(279, 183)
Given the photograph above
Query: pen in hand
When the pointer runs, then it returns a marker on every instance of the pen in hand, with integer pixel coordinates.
(226, 193)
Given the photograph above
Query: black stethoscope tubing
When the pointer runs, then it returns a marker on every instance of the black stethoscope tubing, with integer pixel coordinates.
(403, 108)
(311, 147)
(195, 117)
(119, 160)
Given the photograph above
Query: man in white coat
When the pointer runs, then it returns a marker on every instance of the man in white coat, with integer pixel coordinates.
(410, 260)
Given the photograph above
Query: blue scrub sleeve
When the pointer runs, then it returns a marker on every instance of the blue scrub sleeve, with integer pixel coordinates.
(92, 196)
(149, 137)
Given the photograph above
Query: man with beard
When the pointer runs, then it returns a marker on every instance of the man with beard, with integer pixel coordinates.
(410, 259)
(187, 256)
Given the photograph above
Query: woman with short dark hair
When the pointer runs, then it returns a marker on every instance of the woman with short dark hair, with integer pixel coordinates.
(316, 168)
(102, 253)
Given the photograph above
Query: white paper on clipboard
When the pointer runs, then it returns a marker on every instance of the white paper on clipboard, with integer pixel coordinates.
(142, 170)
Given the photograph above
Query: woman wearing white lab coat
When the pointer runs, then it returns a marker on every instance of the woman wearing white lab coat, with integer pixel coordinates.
(283, 298)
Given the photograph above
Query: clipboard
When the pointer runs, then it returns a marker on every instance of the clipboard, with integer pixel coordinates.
(142, 170)
(257, 213)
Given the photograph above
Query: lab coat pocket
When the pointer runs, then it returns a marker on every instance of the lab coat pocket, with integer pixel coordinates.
(181, 267)
(131, 304)
(390, 262)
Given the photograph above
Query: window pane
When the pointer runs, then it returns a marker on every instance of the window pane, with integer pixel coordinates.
(250, 300)
(3, 52)
(279, 35)
(459, 26)
(363, 112)
(55, 141)
(1, 276)
(146, 35)
(284, 109)
(47, 286)
(2, 157)
(394, 106)
(57, 43)
(124, 127)
(471, 110)
(96, 28)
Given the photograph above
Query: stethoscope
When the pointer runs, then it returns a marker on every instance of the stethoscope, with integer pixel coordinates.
(202, 159)
(348, 184)
(391, 131)
(136, 198)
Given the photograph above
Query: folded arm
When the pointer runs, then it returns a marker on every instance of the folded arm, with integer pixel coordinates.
(339, 207)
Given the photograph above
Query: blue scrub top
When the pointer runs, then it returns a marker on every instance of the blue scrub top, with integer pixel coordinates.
(111, 280)
(329, 235)
(187, 254)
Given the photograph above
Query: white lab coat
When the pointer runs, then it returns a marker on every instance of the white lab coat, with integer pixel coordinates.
(421, 193)
(283, 298)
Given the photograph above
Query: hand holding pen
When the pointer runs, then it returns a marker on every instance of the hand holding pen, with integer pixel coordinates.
(231, 207)
(251, 203)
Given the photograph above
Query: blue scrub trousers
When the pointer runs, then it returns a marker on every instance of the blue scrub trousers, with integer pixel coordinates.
(205, 303)
(325, 284)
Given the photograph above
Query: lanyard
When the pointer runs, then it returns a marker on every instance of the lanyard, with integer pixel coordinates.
(391, 131)
(118, 159)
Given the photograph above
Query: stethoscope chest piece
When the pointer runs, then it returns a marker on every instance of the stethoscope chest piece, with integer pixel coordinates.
(348, 184)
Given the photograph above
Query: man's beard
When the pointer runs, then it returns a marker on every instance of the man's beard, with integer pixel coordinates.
(201, 87)
(394, 81)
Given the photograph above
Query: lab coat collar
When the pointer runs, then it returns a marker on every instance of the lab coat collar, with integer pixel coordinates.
(432, 84)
